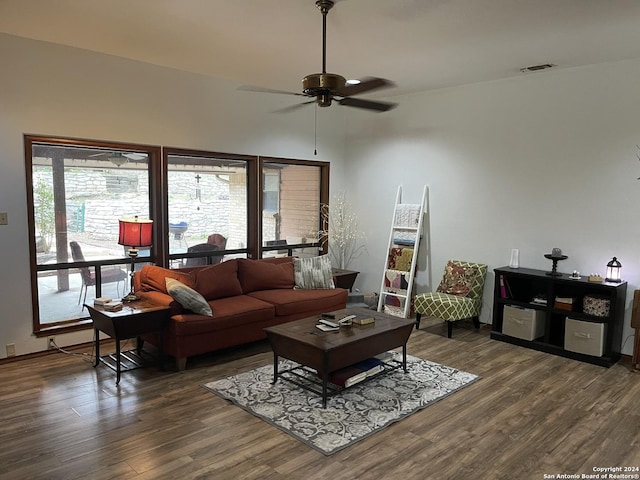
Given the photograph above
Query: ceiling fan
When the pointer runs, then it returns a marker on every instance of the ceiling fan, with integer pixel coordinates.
(325, 87)
(119, 158)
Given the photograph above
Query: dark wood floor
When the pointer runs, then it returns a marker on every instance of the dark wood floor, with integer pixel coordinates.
(531, 414)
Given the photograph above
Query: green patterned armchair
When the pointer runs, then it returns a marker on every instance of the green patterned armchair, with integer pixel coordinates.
(459, 295)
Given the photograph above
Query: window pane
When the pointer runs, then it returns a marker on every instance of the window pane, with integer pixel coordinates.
(294, 191)
(207, 204)
(79, 194)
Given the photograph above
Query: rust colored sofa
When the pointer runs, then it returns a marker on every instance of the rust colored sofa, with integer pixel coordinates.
(245, 296)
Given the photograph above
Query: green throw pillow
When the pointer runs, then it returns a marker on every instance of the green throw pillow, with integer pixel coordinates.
(188, 297)
(314, 272)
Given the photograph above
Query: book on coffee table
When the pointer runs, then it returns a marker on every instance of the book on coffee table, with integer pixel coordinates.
(363, 319)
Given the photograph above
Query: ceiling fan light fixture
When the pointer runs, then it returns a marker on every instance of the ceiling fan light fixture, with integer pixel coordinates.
(117, 159)
(324, 100)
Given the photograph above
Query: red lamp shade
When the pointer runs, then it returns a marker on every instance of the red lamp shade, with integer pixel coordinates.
(135, 232)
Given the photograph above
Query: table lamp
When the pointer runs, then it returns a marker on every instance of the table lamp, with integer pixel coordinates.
(134, 233)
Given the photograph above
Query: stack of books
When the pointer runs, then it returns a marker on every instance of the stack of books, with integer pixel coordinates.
(564, 303)
(539, 300)
(101, 301)
(113, 306)
(348, 376)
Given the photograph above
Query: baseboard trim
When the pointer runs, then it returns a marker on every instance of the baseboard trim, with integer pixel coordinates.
(44, 353)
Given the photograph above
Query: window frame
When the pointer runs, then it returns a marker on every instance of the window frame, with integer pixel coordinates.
(158, 211)
(324, 200)
(251, 162)
(154, 172)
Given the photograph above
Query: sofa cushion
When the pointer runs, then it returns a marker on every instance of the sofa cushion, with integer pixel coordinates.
(218, 281)
(294, 301)
(153, 278)
(313, 272)
(187, 297)
(265, 274)
(231, 312)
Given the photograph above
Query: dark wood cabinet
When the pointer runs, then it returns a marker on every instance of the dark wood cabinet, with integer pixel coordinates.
(518, 287)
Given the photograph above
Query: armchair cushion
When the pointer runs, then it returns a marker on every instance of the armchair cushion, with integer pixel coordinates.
(446, 306)
(458, 279)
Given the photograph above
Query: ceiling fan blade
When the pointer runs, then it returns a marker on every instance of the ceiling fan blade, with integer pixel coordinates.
(135, 156)
(365, 85)
(293, 108)
(367, 104)
(249, 88)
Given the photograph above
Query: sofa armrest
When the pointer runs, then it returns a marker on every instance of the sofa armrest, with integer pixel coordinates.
(163, 299)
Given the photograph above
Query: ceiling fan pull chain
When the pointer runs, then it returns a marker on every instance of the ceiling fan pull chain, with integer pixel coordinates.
(315, 130)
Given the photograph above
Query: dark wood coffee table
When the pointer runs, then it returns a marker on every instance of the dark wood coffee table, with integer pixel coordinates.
(326, 352)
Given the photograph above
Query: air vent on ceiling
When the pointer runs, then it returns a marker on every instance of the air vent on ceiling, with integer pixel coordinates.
(535, 68)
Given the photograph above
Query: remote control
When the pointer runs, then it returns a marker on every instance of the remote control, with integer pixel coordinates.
(347, 318)
(327, 328)
(328, 323)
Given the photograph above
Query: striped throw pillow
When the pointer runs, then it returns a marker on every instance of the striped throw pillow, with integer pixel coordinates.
(313, 272)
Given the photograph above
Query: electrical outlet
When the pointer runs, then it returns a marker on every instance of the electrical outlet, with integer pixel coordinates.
(4, 220)
(51, 343)
(11, 349)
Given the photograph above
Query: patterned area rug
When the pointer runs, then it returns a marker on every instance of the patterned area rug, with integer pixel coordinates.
(351, 415)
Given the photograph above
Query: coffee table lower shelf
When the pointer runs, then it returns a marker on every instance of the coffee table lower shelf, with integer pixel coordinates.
(312, 382)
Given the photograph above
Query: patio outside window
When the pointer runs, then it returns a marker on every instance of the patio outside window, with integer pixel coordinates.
(78, 194)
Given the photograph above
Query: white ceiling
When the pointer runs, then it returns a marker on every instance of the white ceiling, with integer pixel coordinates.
(419, 44)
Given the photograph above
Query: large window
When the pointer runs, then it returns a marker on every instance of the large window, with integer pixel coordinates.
(79, 191)
(292, 193)
(206, 207)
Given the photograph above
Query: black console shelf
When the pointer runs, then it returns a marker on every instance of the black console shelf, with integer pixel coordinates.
(520, 285)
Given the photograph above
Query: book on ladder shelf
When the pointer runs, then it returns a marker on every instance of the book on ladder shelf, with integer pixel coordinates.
(402, 252)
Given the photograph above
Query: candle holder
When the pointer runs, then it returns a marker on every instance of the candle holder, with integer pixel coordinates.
(555, 259)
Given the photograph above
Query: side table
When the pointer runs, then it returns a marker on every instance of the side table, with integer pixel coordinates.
(135, 319)
(344, 278)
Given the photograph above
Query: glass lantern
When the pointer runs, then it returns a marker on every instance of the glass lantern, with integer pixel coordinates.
(613, 271)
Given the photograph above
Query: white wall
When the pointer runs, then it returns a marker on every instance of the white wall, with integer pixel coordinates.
(535, 162)
(540, 161)
(54, 90)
